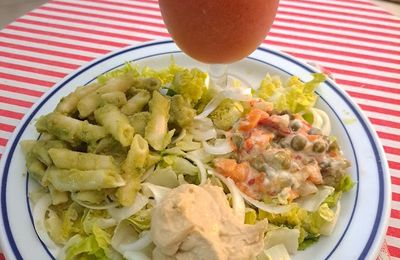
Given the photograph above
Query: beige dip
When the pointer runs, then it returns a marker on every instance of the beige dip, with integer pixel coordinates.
(196, 222)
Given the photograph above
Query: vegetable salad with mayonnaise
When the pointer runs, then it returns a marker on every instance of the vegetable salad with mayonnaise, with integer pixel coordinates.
(155, 164)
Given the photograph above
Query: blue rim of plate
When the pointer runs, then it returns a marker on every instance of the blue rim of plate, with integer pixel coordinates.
(379, 158)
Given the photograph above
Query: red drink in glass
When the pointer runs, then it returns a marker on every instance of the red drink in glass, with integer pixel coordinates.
(218, 31)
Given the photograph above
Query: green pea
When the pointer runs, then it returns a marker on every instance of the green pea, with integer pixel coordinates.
(298, 142)
(284, 143)
(295, 125)
(333, 146)
(282, 159)
(319, 147)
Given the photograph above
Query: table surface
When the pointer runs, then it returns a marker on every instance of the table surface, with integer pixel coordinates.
(356, 41)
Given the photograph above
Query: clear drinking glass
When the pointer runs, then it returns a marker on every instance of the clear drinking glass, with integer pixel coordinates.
(218, 32)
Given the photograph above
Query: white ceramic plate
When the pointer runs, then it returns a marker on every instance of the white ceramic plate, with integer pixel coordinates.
(365, 209)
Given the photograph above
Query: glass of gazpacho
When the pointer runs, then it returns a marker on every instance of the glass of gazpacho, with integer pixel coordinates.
(218, 32)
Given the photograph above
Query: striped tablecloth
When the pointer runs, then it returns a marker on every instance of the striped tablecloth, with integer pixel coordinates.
(356, 41)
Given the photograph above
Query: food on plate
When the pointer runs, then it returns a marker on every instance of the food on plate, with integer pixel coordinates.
(196, 222)
(156, 164)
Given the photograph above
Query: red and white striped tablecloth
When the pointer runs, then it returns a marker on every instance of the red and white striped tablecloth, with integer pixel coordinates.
(358, 42)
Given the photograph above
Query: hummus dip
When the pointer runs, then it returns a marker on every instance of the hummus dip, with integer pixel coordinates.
(196, 222)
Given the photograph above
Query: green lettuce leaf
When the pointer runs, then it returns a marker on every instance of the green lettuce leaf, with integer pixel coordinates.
(191, 84)
(128, 68)
(332, 199)
(141, 220)
(345, 184)
(250, 216)
(309, 240)
(94, 246)
(295, 96)
(307, 222)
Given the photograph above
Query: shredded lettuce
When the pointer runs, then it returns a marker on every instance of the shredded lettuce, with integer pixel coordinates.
(345, 184)
(276, 252)
(128, 68)
(283, 235)
(165, 75)
(94, 246)
(332, 199)
(166, 177)
(191, 84)
(294, 96)
(310, 223)
(141, 220)
(250, 216)
(313, 201)
(309, 240)
(181, 165)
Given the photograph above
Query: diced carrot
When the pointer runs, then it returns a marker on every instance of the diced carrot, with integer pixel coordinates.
(246, 190)
(242, 172)
(225, 165)
(243, 188)
(229, 168)
(312, 138)
(248, 144)
(259, 180)
(315, 176)
(333, 153)
(252, 119)
(293, 194)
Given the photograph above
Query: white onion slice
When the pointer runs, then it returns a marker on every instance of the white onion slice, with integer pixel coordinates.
(130, 243)
(143, 242)
(203, 129)
(39, 216)
(135, 256)
(313, 201)
(275, 252)
(327, 228)
(222, 146)
(200, 165)
(180, 136)
(325, 122)
(88, 205)
(286, 236)
(211, 106)
(231, 92)
(317, 120)
(147, 173)
(63, 252)
(122, 213)
(105, 223)
(275, 209)
(238, 205)
(155, 191)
